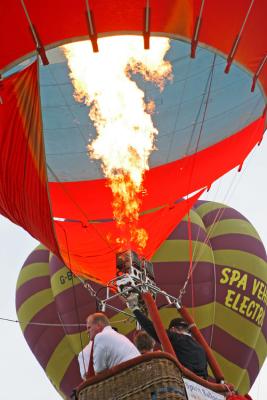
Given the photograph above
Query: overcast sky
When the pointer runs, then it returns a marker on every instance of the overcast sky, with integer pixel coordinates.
(21, 375)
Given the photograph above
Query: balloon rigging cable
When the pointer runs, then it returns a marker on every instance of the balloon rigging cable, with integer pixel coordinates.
(53, 324)
(88, 221)
(232, 186)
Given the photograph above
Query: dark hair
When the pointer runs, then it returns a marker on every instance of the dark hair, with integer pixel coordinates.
(144, 342)
(178, 323)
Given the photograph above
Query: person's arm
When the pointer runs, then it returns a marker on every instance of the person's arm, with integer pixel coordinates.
(100, 356)
(83, 359)
(81, 365)
(146, 324)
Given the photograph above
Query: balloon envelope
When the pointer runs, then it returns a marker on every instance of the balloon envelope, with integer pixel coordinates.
(208, 121)
(196, 144)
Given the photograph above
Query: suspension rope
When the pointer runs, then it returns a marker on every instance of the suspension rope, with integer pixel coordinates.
(190, 272)
(38, 43)
(217, 218)
(86, 284)
(208, 87)
(233, 185)
(237, 40)
(179, 109)
(74, 202)
(77, 316)
(67, 246)
(56, 325)
(88, 221)
(39, 323)
(246, 18)
(79, 325)
(203, 100)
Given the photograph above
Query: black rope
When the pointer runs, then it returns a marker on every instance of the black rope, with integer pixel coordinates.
(76, 310)
(203, 120)
(78, 319)
(38, 323)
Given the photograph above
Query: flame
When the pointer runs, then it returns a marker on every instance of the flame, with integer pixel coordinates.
(122, 118)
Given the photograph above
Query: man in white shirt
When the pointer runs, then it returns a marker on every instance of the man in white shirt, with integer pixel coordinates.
(110, 348)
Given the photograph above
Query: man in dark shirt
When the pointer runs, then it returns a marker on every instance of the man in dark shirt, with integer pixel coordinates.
(188, 351)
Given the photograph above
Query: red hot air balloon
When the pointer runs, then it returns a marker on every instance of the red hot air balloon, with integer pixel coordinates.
(208, 121)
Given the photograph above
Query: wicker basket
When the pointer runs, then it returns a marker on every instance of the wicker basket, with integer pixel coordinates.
(146, 378)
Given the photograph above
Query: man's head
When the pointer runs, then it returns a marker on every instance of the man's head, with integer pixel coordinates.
(144, 342)
(178, 325)
(95, 323)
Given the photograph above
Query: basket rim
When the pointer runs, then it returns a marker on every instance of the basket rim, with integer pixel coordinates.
(102, 376)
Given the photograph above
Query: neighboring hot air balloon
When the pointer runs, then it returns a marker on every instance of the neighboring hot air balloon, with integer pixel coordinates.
(207, 121)
(229, 286)
(48, 293)
(226, 293)
(35, 303)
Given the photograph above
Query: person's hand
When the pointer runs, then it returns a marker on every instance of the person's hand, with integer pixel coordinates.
(132, 301)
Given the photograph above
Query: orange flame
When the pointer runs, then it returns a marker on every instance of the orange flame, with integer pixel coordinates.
(125, 131)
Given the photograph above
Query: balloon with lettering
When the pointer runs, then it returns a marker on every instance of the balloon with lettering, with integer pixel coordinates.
(228, 289)
(226, 292)
(41, 324)
(52, 306)
(194, 90)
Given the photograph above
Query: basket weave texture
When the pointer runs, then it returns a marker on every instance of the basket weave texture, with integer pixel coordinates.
(156, 379)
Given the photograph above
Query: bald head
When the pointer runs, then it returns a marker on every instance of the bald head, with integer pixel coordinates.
(99, 318)
(95, 323)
